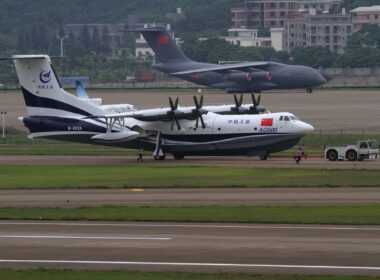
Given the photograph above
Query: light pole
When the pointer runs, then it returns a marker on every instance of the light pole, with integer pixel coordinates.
(3, 113)
(61, 39)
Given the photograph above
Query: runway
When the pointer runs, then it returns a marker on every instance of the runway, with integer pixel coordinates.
(245, 162)
(191, 247)
(190, 197)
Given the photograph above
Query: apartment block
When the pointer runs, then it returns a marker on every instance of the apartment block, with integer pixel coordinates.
(327, 30)
(274, 13)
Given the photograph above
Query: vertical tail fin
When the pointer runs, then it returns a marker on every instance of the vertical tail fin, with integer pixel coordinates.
(81, 92)
(43, 94)
(163, 44)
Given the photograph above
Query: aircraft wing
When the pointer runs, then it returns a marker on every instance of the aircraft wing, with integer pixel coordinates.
(222, 68)
(162, 114)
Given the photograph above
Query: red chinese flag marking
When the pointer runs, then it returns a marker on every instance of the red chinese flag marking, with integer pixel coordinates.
(267, 122)
(163, 40)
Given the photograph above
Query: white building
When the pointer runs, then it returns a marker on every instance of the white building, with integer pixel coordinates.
(246, 37)
(142, 48)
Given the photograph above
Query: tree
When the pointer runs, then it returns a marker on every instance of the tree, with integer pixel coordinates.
(85, 38)
(313, 56)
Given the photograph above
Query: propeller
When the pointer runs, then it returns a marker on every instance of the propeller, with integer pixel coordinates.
(173, 113)
(256, 108)
(238, 109)
(199, 111)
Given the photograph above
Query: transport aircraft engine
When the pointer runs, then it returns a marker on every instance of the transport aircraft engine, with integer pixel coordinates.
(238, 77)
(261, 75)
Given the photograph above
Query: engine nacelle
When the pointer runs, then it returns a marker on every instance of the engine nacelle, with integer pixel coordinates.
(238, 77)
(118, 108)
(261, 76)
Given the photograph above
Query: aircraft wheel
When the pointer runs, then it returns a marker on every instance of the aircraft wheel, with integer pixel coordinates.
(309, 90)
(263, 157)
(159, 157)
(351, 155)
(178, 157)
(332, 155)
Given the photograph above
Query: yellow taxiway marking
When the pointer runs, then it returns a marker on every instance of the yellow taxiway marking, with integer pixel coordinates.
(137, 190)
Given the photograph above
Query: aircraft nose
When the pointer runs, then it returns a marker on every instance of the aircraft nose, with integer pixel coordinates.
(320, 79)
(305, 127)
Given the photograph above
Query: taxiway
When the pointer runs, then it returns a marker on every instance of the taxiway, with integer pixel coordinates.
(191, 247)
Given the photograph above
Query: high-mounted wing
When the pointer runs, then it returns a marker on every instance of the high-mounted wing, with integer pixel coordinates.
(244, 66)
(172, 114)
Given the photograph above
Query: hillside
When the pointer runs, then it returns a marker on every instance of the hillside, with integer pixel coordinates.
(20, 16)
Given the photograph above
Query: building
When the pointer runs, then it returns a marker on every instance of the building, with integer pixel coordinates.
(365, 15)
(246, 37)
(327, 30)
(177, 16)
(274, 13)
(277, 38)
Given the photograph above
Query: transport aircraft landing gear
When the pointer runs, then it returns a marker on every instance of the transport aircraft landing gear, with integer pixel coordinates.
(161, 157)
(178, 157)
(309, 90)
(263, 157)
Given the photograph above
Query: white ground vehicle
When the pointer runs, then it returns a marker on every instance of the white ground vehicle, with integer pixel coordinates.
(365, 149)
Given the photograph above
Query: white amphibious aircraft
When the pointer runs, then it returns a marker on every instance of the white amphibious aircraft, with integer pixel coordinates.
(210, 130)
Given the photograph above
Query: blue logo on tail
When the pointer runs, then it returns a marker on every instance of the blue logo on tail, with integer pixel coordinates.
(45, 76)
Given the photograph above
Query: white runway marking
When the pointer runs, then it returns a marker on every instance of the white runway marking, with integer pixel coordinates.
(244, 226)
(84, 237)
(237, 265)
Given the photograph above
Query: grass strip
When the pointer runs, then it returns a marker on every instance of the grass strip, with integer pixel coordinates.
(145, 176)
(54, 274)
(339, 215)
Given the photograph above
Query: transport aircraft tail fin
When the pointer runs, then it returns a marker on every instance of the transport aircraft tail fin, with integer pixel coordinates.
(162, 43)
(43, 93)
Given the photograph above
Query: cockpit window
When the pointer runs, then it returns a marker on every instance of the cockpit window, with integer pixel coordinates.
(281, 118)
(373, 145)
(286, 118)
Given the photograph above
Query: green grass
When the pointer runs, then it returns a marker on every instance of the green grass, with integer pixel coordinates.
(148, 176)
(55, 274)
(339, 215)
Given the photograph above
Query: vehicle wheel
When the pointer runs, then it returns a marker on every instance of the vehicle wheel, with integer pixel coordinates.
(332, 155)
(351, 155)
(178, 157)
(159, 157)
(263, 157)
(309, 90)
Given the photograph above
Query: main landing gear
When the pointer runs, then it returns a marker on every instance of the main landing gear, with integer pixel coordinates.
(309, 90)
(158, 154)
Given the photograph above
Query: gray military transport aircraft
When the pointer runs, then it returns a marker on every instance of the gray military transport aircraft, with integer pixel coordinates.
(246, 77)
(196, 130)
